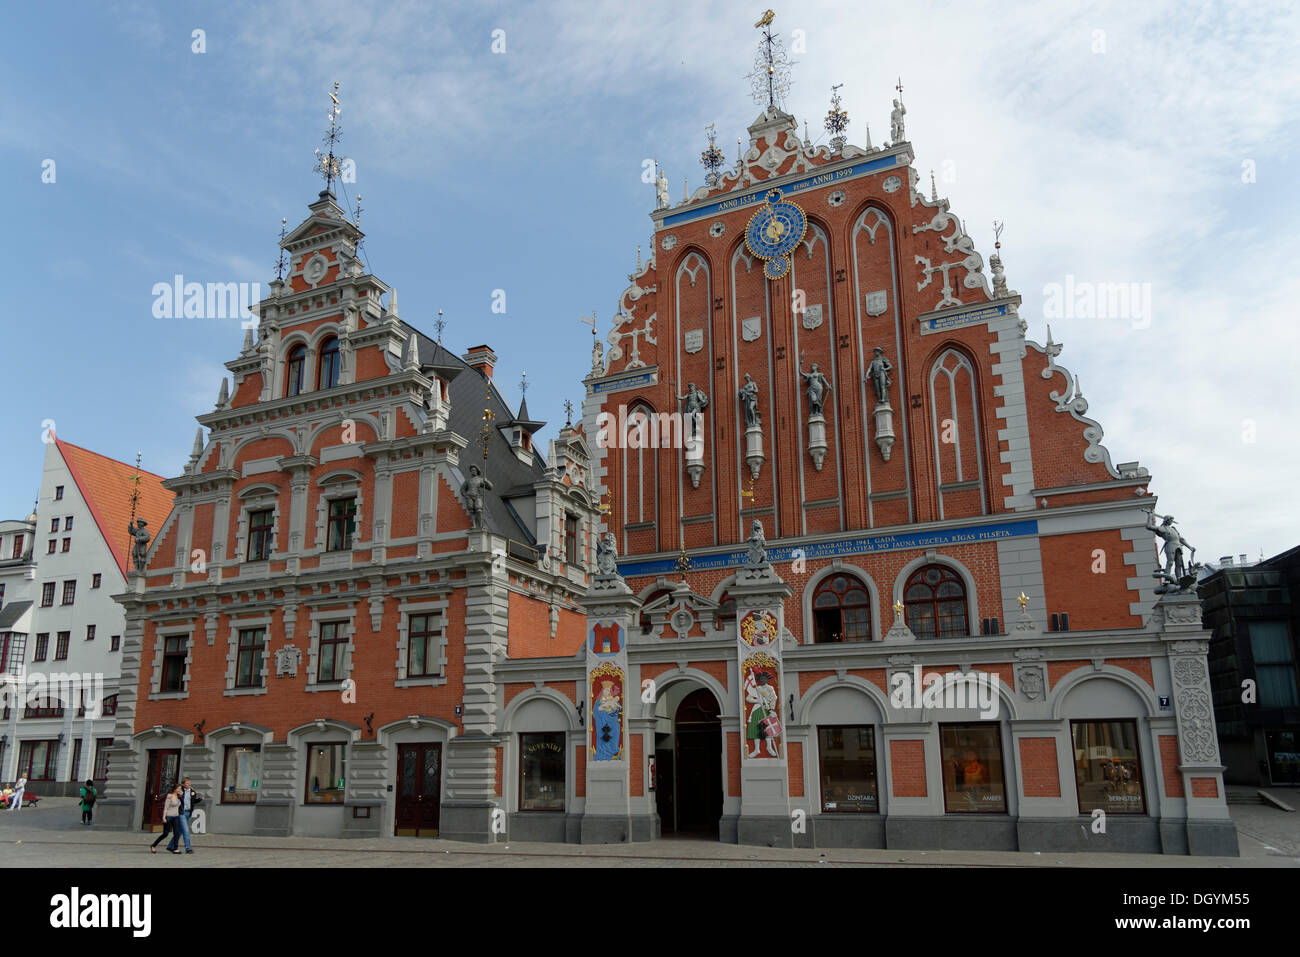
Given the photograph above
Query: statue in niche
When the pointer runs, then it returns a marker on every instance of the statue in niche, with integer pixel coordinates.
(607, 555)
(749, 399)
(472, 490)
(757, 544)
(817, 387)
(878, 375)
(695, 403)
(139, 551)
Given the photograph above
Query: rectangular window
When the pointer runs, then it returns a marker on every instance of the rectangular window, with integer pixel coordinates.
(325, 773)
(18, 546)
(1107, 767)
(333, 646)
(848, 768)
(69, 593)
(58, 493)
(248, 663)
(52, 547)
(67, 544)
(422, 649)
(242, 771)
(67, 524)
(1275, 672)
(173, 673)
(54, 525)
(90, 632)
(2, 600)
(47, 594)
(259, 535)
(109, 707)
(47, 708)
(37, 760)
(571, 539)
(101, 758)
(115, 643)
(13, 646)
(74, 769)
(61, 646)
(972, 768)
(96, 580)
(42, 646)
(343, 515)
(541, 771)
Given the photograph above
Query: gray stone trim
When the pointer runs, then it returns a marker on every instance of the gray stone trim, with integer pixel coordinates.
(232, 654)
(161, 633)
(318, 617)
(1009, 352)
(1144, 565)
(1020, 569)
(413, 606)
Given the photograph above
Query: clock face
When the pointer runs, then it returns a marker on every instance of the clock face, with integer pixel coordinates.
(775, 229)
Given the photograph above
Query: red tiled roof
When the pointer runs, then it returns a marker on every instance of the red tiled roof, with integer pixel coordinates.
(106, 485)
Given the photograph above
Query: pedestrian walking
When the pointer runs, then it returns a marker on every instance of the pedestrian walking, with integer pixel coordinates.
(190, 799)
(171, 808)
(88, 795)
(16, 801)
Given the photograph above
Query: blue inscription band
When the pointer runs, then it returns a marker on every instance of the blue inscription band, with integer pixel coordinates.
(756, 197)
(970, 318)
(862, 545)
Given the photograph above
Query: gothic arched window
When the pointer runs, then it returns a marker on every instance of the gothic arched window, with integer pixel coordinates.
(327, 374)
(295, 369)
(841, 610)
(935, 600)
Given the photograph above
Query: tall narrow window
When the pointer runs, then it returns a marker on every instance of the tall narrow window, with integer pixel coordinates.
(96, 580)
(333, 647)
(42, 646)
(74, 769)
(1275, 671)
(242, 770)
(18, 546)
(54, 525)
(422, 634)
(295, 368)
(101, 758)
(326, 773)
(935, 599)
(1107, 767)
(571, 539)
(343, 515)
(327, 377)
(541, 771)
(847, 755)
(58, 493)
(841, 610)
(259, 535)
(67, 524)
(47, 594)
(61, 646)
(972, 768)
(69, 592)
(173, 673)
(248, 664)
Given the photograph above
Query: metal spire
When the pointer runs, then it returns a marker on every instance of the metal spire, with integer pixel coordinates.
(439, 325)
(280, 263)
(770, 79)
(328, 164)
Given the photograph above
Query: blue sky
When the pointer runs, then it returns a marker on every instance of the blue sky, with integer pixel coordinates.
(1112, 138)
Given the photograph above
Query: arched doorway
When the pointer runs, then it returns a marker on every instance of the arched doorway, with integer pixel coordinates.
(689, 773)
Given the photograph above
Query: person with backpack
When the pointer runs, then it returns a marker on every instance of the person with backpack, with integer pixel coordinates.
(88, 795)
(171, 812)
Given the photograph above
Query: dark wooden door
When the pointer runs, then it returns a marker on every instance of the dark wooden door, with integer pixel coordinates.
(419, 790)
(160, 776)
(664, 798)
(698, 764)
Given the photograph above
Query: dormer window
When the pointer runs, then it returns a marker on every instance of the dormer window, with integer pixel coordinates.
(327, 376)
(295, 367)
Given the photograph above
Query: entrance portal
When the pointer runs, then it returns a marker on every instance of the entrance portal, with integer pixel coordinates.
(689, 795)
(419, 790)
(160, 777)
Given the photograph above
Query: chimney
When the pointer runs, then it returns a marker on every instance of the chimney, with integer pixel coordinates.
(1243, 559)
(481, 359)
(1225, 561)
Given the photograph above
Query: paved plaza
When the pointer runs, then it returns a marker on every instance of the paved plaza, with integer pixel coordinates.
(51, 835)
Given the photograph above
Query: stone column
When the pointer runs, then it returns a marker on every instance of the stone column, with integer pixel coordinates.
(367, 778)
(817, 439)
(1210, 830)
(764, 774)
(278, 791)
(608, 815)
(120, 802)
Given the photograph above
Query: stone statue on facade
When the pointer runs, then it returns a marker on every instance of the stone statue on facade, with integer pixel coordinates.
(661, 190)
(472, 491)
(878, 375)
(1176, 570)
(749, 400)
(139, 551)
(896, 134)
(817, 387)
(696, 401)
(757, 545)
(607, 555)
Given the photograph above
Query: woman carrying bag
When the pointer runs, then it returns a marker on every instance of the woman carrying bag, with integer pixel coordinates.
(88, 795)
(171, 811)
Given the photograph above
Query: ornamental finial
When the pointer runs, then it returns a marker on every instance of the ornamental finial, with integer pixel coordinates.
(327, 164)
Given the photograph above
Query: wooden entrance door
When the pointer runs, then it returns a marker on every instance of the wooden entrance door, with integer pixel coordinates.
(161, 775)
(419, 790)
(697, 733)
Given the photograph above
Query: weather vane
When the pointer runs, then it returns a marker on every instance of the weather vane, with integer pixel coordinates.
(683, 562)
(523, 385)
(837, 119)
(712, 158)
(997, 233)
(135, 500)
(280, 263)
(328, 164)
(770, 79)
(439, 325)
(568, 413)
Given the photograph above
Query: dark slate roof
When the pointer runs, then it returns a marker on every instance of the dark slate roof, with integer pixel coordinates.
(502, 468)
(11, 612)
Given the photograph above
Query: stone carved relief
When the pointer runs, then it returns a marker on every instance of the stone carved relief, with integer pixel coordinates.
(1196, 731)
